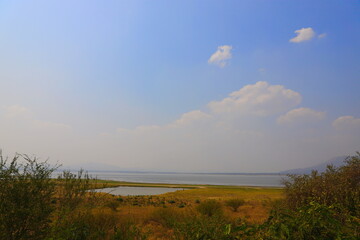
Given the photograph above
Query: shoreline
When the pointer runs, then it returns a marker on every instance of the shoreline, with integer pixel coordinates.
(114, 183)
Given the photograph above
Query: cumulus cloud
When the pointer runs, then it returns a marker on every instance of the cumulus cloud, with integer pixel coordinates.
(230, 130)
(322, 35)
(17, 112)
(191, 117)
(234, 134)
(347, 123)
(221, 56)
(301, 115)
(259, 99)
(21, 130)
(303, 34)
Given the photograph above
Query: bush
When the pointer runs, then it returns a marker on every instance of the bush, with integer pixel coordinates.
(319, 206)
(34, 206)
(113, 204)
(336, 187)
(193, 227)
(74, 218)
(210, 208)
(166, 216)
(128, 230)
(234, 204)
(26, 195)
(314, 222)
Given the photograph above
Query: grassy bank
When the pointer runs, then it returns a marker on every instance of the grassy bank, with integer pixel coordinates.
(36, 206)
(255, 208)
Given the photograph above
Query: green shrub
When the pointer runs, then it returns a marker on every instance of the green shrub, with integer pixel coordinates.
(336, 187)
(128, 230)
(234, 203)
(314, 222)
(113, 204)
(181, 205)
(194, 227)
(74, 190)
(319, 206)
(34, 206)
(210, 208)
(26, 198)
(73, 218)
(166, 216)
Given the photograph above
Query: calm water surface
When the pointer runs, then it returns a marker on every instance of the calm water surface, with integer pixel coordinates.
(191, 178)
(131, 191)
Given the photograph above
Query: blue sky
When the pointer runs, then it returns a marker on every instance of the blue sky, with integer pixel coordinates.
(94, 67)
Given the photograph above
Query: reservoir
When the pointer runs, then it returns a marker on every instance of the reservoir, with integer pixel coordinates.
(261, 180)
(136, 191)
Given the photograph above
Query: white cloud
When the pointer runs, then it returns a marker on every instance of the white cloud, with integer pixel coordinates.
(236, 134)
(191, 117)
(301, 115)
(221, 56)
(22, 131)
(303, 34)
(347, 123)
(258, 99)
(322, 35)
(122, 130)
(147, 128)
(17, 112)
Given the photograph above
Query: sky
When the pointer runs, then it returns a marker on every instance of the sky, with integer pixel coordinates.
(195, 86)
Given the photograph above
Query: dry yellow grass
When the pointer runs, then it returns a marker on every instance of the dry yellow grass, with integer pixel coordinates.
(255, 210)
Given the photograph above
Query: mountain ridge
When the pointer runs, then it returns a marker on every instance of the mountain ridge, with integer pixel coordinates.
(321, 167)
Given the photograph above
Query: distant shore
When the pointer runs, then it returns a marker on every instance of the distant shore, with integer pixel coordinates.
(112, 183)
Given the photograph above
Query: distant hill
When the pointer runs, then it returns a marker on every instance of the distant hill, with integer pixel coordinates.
(337, 162)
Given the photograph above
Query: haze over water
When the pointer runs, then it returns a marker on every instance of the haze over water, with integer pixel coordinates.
(192, 178)
(181, 86)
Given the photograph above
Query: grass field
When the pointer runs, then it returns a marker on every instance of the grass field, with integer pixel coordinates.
(142, 210)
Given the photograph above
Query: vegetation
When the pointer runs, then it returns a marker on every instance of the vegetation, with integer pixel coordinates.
(235, 203)
(210, 208)
(26, 195)
(316, 206)
(320, 206)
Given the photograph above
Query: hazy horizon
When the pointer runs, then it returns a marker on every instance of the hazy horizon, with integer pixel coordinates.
(182, 86)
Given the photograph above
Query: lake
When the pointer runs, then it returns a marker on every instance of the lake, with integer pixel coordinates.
(136, 191)
(192, 178)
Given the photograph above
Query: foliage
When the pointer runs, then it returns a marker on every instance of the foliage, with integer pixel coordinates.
(195, 227)
(313, 221)
(336, 187)
(319, 206)
(210, 208)
(113, 204)
(26, 198)
(34, 206)
(166, 216)
(74, 218)
(234, 203)
(128, 230)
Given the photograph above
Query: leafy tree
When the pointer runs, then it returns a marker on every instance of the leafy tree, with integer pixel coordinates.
(319, 206)
(26, 198)
(336, 187)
